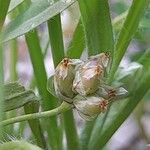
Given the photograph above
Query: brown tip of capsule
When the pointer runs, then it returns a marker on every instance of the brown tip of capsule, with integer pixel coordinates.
(98, 70)
(103, 105)
(112, 93)
(65, 62)
(107, 54)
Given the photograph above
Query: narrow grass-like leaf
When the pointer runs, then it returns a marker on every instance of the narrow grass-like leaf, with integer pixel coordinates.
(41, 78)
(3, 8)
(119, 111)
(38, 12)
(77, 44)
(70, 130)
(128, 30)
(97, 25)
(1, 87)
(57, 47)
(14, 4)
(56, 39)
(86, 134)
(13, 59)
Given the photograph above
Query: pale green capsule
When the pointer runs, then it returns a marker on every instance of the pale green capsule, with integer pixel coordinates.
(101, 59)
(63, 78)
(112, 93)
(89, 107)
(88, 77)
(87, 80)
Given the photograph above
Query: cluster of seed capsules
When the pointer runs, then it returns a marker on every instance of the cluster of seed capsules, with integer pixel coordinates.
(82, 83)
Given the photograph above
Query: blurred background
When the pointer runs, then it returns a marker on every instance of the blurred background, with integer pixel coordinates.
(134, 133)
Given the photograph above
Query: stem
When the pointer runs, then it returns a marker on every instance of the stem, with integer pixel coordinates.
(13, 59)
(57, 48)
(1, 87)
(62, 108)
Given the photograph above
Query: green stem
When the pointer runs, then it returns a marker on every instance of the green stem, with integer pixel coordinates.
(97, 25)
(70, 130)
(1, 87)
(48, 101)
(4, 8)
(57, 47)
(56, 39)
(13, 59)
(62, 108)
(86, 134)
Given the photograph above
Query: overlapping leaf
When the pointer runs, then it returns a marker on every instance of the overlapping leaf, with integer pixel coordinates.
(38, 12)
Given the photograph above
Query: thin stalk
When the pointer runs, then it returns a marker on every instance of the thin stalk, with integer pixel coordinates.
(1, 87)
(56, 39)
(13, 59)
(62, 108)
(70, 130)
(77, 44)
(96, 21)
(4, 8)
(57, 47)
(86, 134)
(13, 77)
(41, 79)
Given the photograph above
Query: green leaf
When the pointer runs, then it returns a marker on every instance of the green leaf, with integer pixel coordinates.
(128, 30)
(1, 87)
(4, 8)
(14, 4)
(77, 44)
(38, 12)
(56, 39)
(15, 96)
(97, 25)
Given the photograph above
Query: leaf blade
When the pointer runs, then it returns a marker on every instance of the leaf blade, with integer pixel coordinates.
(37, 13)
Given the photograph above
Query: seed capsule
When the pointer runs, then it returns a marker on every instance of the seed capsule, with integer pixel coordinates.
(112, 93)
(101, 59)
(63, 78)
(89, 107)
(87, 80)
(88, 76)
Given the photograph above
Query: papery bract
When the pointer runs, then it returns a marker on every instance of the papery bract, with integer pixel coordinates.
(63, 78)
(88, 76)
(112, 93)
(89, 107)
